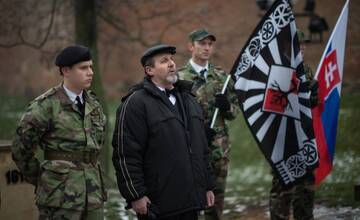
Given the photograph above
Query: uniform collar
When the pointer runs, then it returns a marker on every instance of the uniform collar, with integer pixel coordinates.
(67, 102)
(198, 68)
(73, 95)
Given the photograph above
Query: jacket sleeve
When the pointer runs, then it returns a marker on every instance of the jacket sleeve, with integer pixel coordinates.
(210, 181)
(32, 126)
(210, 176)
(129, 142)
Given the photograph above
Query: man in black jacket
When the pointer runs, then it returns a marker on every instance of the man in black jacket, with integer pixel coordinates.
(160, 147)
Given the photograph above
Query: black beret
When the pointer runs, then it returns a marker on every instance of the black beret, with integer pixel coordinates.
(157, 49)
(72, 55)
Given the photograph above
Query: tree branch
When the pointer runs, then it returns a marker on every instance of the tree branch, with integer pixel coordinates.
(24, 42)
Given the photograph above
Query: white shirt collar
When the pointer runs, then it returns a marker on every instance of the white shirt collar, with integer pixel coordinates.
(172, 98)
(198, 68)
(73, 95)
(161, 88)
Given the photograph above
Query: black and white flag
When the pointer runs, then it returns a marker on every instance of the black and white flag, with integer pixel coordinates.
(271, 86)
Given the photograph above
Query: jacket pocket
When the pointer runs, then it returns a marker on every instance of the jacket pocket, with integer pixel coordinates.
(98, 125)
(195, 112)
(159, 121)
(83, 185)
(51, 188)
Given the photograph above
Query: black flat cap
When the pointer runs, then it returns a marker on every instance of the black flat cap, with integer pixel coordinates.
(200, 34)
(157, 49)
(72, 55)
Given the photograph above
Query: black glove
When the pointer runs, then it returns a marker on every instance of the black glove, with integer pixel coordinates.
(210, 133)
(314, 96)
(222, 103)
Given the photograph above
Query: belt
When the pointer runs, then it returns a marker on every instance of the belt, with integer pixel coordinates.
(80, 156)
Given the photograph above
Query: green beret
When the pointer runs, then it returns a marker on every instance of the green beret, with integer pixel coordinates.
(200, 34)
(157, 49)
(72, 55)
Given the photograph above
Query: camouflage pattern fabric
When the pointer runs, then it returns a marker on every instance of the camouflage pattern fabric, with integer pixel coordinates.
(53, 122)
(220, 171)
(205, 90)
(309, 72)
(51, 213)
(300, 196)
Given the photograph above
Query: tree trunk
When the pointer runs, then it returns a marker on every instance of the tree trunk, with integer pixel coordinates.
(86, 34)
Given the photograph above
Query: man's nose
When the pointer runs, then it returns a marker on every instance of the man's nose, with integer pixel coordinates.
(172, 63)
(90, 71)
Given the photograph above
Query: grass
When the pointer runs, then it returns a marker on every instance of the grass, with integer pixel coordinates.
(338, 188)
(11, 109)
(250, 177)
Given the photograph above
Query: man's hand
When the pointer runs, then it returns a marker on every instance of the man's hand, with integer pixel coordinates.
(210, 198)
(140, 205)
(222, 102)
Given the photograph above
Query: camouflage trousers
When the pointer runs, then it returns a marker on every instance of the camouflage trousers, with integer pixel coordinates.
(52, 213)
(300, 196)
(220, 171)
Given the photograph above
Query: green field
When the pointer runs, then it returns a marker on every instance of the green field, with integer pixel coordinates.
(249, 178)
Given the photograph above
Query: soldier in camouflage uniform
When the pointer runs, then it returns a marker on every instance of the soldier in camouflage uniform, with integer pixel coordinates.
(67, 124)
(208, 83)
(300, 196)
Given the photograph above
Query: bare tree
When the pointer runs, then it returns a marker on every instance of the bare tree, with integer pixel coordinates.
(34, 24)
(134, 20)
(49, 25)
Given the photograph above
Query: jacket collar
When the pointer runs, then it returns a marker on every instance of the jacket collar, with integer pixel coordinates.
(210, 70)
(183, 86)
(66, 102)
(199, 68)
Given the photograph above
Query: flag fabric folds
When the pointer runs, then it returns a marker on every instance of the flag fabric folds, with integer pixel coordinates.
(329, 75)
(272, 90)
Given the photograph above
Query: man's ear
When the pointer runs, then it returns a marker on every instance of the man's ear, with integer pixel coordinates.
(190, 46)
(149, 70)
(65, 70)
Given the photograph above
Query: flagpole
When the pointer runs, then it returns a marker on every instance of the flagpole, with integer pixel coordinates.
(331, 36)
(217, 109)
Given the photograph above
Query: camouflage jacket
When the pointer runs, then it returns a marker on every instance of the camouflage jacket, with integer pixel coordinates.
(205, 90)
(53, 122)
(308, 72)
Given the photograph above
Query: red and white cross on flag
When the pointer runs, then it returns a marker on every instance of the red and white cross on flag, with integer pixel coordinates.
(329, 75)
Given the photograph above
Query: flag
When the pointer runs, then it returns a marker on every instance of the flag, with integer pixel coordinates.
(272, 90)
(329, 75)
